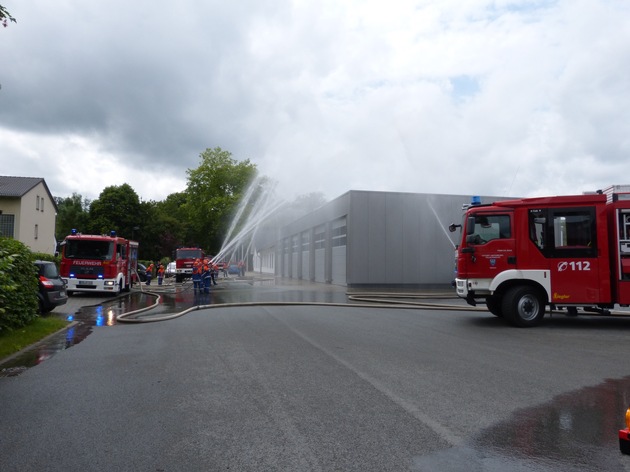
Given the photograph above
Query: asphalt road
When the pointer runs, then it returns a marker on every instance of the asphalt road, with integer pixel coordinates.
(315, 388)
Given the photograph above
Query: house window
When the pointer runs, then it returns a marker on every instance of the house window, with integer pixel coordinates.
(41, 204)
(7, 226)
(36, 231)
(37, 203)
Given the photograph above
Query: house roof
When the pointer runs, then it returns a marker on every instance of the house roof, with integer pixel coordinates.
(19, 186)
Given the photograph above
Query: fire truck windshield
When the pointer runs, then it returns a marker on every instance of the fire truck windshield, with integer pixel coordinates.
(189, 253)
(88, 249)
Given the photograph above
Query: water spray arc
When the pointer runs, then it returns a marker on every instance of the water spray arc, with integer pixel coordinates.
(243, 204)
(258, 204)
(442, 226)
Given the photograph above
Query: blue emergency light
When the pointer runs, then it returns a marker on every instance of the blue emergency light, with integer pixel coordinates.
(475, 200)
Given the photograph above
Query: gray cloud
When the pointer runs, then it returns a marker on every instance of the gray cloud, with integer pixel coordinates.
(518, 98)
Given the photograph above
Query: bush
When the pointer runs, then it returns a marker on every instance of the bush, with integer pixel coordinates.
(18, 285)
(44, 256)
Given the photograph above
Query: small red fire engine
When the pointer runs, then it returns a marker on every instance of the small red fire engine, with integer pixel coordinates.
(98, 263)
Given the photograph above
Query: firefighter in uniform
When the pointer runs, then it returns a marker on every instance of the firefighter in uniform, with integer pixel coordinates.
(196, 274)
(149, 273)
(207, 276)
(214, 271)
(160, 274)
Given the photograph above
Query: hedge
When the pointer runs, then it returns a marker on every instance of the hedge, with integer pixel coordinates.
(18, 285)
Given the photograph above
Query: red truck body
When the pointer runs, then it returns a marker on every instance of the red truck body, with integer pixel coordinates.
(566, 252)
(98, 263)
(184, 260)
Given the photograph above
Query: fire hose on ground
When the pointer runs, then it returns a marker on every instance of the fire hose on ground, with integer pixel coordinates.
(371, 300)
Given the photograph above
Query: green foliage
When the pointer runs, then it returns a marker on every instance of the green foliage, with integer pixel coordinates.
(174, 226)
(199, 216)
(72, 213)
(5, 17)
(214, 190)
(18, 285)
(157, 232)
(44, 256)
(117, 208)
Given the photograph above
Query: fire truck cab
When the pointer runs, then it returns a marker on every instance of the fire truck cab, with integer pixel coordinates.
(566, 252)
(98, 263)
(184, 260)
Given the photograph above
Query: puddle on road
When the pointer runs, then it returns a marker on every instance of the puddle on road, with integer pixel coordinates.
(99, 313)
(575, 431)
(83, 321)
(581, 424)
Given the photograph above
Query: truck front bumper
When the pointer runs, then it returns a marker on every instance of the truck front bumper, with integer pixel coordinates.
(472, 287)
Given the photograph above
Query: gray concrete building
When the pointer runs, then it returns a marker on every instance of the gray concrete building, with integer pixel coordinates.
(367, 239)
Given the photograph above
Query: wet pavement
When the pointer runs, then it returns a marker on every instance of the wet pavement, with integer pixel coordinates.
(565, 430)
(89, 311)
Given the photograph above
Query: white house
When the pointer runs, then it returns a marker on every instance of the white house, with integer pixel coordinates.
(28, 212)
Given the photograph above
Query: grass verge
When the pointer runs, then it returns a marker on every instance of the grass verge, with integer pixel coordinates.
(16, 340)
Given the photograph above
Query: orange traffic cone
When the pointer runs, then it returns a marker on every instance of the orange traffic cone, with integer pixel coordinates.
(624, 435)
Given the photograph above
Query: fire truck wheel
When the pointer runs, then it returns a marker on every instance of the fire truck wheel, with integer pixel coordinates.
(523, 306)
(494, 306)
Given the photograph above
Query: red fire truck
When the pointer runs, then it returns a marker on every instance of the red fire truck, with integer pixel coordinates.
(98, 263)
(184, 260)
(566, 252)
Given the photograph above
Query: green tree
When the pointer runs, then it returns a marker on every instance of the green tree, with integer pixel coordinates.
(147, 231)
(213, 192)
(73, 213)
(117, 208)
(158, 232)
(173, 223)
(5, 17)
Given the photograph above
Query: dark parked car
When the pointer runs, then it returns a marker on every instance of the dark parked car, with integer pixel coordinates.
(142, 272)
(52, 288)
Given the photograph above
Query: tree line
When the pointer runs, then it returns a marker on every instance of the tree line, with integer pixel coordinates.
(198, 216)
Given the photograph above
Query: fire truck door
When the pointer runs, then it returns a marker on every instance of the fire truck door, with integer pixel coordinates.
(489, 246)
(573, 257)
(575, 280)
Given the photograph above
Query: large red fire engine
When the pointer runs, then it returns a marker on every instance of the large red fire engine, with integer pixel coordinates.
(566, 252)
(98, 263)
(184, 260)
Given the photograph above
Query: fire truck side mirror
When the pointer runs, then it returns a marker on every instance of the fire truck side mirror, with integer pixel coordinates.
(470, 225)
(453, 227)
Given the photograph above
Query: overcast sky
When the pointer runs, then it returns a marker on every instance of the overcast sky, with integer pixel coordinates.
(503, 97)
